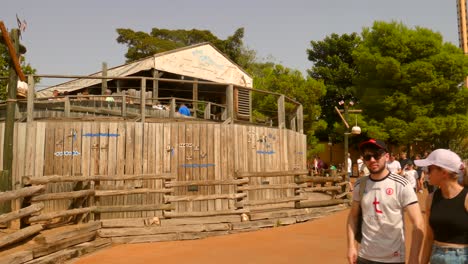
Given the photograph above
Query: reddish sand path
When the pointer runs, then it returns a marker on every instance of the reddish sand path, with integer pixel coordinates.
(318, 241)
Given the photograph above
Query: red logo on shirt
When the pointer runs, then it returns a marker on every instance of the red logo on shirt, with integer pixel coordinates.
(376, 206)
(389, 191)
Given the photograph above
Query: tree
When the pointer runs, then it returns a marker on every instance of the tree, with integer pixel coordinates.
(409, 84)
(141, 44)
(291, 83)
(5, 68)
(335, 66)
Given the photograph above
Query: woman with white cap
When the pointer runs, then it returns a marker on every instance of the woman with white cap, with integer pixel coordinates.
(446, 209)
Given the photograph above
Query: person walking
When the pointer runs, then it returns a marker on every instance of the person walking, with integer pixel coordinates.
(384, 198)
(446, 209)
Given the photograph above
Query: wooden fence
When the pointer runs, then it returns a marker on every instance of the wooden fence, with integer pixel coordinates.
(126, 182)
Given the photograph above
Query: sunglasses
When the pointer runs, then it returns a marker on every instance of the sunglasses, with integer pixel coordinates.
(376, 156)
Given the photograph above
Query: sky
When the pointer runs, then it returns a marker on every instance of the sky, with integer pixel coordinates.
(75, 37)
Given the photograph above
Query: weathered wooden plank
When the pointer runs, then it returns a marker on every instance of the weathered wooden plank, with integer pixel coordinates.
(13, 256)
(138, 231)
(63, 195)
(20, 193)
(132, 191)
(49, 216)
(62, 244)
(199, 214)
(66, 232)
(20, 235)
(272, 173)
(210, 159)
(318, 179)
(322, 189)
(133, 208)
(4, 218)
(274, 200)
(201, 220)
(195, 154)
(58, 178)
(203, 197)
(271, 186)
(144, 239)
(216, 182)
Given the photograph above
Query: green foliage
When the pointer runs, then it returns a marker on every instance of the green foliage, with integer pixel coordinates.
(5, 70)
(334, 65)
(409, 81)
(291, 83)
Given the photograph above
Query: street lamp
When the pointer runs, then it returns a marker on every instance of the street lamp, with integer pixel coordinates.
(355, 130)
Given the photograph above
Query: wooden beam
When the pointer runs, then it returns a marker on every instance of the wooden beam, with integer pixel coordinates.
(133, 208)
(169, 198)
(271, 174)
(281, 113)
(20, 235)
(206, 183)
(14, 54)
(271, 186)
(63, 195)
(207, 213)
(230, 101)
(104, 81)
(20, 193)
(5, 218)
(195, 97)
(50, 216)
(102, 193)
(31, 93)
(58, 178)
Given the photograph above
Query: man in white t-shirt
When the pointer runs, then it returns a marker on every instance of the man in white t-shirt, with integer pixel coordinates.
(393, 165)
(385, 198)
(411, 174)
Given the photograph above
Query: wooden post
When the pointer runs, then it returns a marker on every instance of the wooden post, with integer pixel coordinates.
(195, 98)
(118, 84)
(30, 106)
(6, 180)
(124, 105)
(293, 124)
(230, 101)
(172, 108)
(67, 106)
(207, 114)
(155, 86)
(300, 119)
(104, 81)
(281, 113)
(143, 99)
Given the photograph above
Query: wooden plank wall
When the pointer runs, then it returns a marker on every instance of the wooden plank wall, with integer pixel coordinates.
(192, 151)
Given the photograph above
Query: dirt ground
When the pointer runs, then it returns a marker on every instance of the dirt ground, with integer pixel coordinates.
(318, 241)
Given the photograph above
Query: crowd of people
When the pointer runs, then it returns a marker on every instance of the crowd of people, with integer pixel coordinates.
(389, 188)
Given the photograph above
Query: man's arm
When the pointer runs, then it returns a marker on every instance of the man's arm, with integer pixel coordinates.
(351, 227)
(415, 215)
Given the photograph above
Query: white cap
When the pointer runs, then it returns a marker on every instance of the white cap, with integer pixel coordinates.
(443, 158)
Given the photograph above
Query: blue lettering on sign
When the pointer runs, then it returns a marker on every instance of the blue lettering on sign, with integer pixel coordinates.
(101, 135)
(270, 152)
(66, 153)
(197, 165)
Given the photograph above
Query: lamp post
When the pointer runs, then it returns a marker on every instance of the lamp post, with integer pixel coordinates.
(355, 130)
